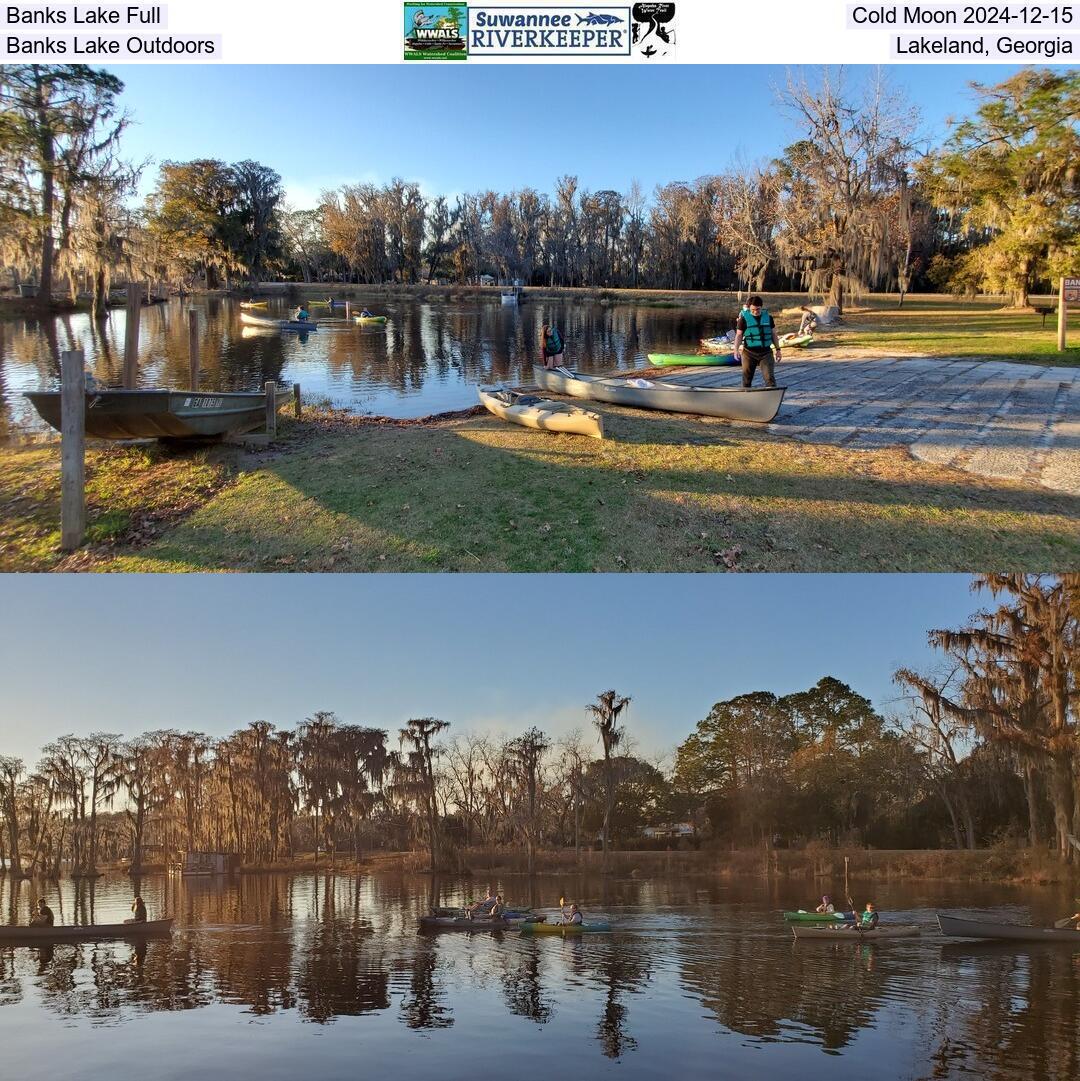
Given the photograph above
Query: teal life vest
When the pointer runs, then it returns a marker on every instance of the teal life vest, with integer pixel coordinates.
(759, 331)
(554, 343)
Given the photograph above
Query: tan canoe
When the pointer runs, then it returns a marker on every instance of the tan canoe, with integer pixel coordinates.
(532, 411)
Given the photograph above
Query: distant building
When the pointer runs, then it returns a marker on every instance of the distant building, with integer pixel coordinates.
(486, 279)
(670, 830)
(206, 863)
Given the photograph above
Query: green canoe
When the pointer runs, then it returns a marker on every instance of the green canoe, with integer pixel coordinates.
(819, 917)
(679, 360)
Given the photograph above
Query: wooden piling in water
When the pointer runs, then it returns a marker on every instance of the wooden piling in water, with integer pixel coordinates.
(348, 309)
(72, 450)
(296, 399)
(131, 336)
(271, 409)
(193, 348)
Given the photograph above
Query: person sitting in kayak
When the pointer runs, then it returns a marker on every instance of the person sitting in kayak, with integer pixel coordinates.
(809, 322)
(826, 905)
(551, 345)
(484, 907)
(574, 919)
(868, 919)
(756, 342)
(138, 910)
(44, 915)
(301, 314)
(365, 314)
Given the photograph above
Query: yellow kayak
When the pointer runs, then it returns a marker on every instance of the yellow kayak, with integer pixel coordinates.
(369, 318)
(565, 928)
(532, 411)
(254, 303)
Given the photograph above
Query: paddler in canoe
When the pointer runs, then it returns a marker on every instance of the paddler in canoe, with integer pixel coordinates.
(301, 315)
(826, 905)
(43, 917)
(138, 911)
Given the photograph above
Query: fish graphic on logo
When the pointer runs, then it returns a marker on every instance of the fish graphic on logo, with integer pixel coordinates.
(598, 20)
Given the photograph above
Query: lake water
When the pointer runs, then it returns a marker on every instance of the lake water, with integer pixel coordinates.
(427, 358)
(285, 977)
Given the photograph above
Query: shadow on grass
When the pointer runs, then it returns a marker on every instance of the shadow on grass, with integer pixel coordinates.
(476, 495)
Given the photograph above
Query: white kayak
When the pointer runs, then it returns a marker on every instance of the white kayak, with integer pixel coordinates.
(532, 411)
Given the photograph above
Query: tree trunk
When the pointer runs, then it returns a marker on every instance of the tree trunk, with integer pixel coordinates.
(47, 148)
(958, 841)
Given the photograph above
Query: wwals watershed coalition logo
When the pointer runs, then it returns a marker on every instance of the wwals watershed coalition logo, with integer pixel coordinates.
(454, 31)
(435, 31)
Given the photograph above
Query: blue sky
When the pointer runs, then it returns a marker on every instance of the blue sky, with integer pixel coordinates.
(487, 653)
(457, 128)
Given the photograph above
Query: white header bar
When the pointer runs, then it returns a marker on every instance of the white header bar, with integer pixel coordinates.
(681, 32)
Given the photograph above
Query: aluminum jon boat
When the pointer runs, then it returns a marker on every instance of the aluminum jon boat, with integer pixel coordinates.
(88, 933)
(759, 404)
(161, 414)
(1011, 932)
(851, 933)
(532, 411)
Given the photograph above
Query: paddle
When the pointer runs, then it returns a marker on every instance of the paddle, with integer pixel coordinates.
(1069, 921)
(858, 922)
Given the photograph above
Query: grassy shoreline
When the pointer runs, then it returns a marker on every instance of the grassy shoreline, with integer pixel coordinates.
(665, 493)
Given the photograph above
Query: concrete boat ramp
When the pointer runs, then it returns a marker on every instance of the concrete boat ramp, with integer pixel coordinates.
(1019, 422)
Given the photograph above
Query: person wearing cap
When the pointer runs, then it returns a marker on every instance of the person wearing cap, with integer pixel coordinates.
(756, 343)
(826, 905)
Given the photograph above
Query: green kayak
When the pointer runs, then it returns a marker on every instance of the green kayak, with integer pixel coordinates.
(564, 928)
(819, 917)
(679, 360)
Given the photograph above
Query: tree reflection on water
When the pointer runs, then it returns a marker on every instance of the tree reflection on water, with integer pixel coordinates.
(689, 971)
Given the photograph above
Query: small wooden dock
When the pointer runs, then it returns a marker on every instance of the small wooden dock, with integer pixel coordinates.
(995, 419)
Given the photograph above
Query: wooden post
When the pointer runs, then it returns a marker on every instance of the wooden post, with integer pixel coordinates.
(348, 309)
(131, 336)
(847, 888)
(193, 347)
(72, 450)
(296, 399)
(271, 409)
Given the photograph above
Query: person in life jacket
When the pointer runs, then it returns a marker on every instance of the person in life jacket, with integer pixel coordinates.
(755, 343)
(551, 345)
